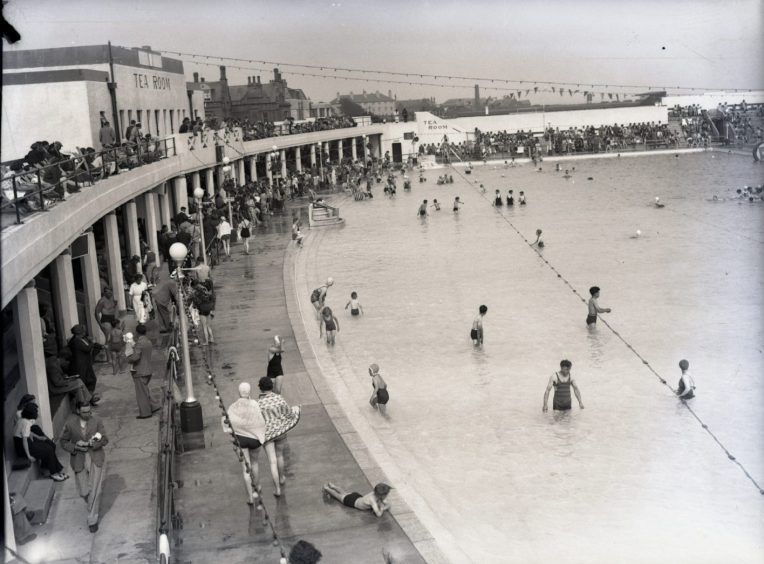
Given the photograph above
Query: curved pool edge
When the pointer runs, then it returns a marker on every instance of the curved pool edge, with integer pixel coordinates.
(433, 542)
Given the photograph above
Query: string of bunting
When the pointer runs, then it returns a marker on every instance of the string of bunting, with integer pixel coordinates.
(441, 76)
(660, 378)
(513, 92)
(211, 380)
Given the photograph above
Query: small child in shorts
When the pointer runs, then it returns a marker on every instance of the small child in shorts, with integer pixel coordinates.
(354, 304)
(436, 205)
(115, 345)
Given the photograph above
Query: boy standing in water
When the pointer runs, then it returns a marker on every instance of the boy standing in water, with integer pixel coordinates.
(594, 307)
(562, 381)
(422, 210)
(686, 388)
(476, 334)
(354, 304)
(379, 397)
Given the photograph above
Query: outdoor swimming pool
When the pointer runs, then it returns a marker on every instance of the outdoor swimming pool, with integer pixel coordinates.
(631, 478)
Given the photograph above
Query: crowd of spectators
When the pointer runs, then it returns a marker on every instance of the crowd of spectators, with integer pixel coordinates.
(555, 141)
(46, 174)
(744, 120)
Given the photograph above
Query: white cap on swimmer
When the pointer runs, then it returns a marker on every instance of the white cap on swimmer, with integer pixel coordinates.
(329, 281)
(244, 389)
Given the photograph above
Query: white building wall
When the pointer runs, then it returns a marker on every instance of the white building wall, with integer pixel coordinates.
(53, 111)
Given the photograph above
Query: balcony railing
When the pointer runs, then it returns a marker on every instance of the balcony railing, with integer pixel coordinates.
(38, 188)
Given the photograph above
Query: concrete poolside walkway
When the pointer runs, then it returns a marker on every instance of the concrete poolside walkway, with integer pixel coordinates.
(127, 528)
(218, 525)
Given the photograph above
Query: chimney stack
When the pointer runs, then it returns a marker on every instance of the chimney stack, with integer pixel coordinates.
(222, 74)
(202, 79)
(389, 93)
(258, 80)
(477, 96)
(249, 81)
(196, 77)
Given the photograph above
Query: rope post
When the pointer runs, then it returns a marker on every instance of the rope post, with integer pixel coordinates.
(191, 417)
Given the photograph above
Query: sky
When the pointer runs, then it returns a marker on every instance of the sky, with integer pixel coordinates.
(647, 44)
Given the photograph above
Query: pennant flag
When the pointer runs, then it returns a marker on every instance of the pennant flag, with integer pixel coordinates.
(562, 92)
(586, 93)
(610, 95)
(617, 98)
(570, 92)
(552, 88)
(535, 89)
(526, 92)
(519, 93)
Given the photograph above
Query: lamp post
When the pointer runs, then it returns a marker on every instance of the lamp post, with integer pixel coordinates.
(198, 195)
(191, 419)
(275, 156)
(226, 179)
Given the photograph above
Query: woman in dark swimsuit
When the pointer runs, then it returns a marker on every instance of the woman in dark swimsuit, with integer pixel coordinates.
(275, 371)
(510, 198)
(497, 201)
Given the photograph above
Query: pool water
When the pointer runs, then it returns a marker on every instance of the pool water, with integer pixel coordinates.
(633, 477)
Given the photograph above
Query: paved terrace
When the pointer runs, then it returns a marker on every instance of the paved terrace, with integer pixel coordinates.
(127, 527)
(218, 525)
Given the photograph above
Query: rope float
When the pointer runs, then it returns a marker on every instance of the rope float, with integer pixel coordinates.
(234, 441)
(662, 380)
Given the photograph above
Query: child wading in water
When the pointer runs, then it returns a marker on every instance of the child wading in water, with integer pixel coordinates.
(435, 205)
(594, 307)
(476, 334)
(457, 204)
(374, 500)
(538, 242)
(330, 323)
(354, 304)
(379, 396)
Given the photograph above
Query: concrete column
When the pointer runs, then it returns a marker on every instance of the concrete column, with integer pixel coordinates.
(253, 168)
(220, 175)
(164, 209)
(340, 152)
(354, 148)
(114, 258)
(282, 153)
(268, 168)
(28, 332)
(130, 219)
(209, 178)
(242, 177)
(365, 149)
(10, 536)
(298, 159)
(152, 223)
(196, 180)
(92, 283)
(64, 299)
(312, 155)
(181, 193)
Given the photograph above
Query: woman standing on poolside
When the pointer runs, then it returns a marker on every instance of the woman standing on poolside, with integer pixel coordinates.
(275, 371)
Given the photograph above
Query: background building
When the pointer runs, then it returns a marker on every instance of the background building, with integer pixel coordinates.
(63, 93)
(254, 101)
(374, 103)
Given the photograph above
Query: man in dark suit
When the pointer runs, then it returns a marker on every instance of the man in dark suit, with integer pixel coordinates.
(142, 372)
(84, 434)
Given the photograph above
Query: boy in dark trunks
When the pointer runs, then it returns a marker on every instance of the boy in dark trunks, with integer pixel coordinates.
(594, 307)
(374, 500)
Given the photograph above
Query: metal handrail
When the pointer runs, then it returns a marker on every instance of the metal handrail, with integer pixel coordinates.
(167, 518)
(77, 170)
